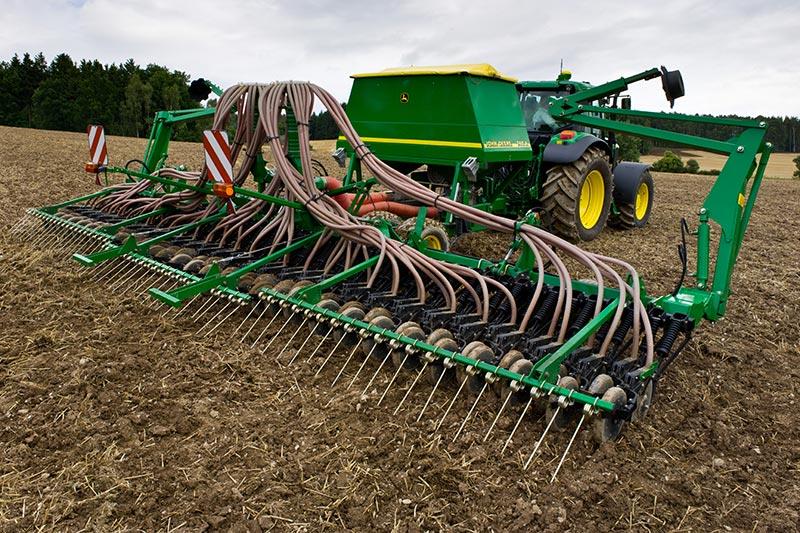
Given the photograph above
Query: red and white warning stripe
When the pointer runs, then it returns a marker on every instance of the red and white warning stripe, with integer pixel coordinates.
(218, 156)
(97, 145)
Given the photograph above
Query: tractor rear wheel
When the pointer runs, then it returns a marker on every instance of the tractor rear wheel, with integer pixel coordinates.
(637, 213)
(578, 195)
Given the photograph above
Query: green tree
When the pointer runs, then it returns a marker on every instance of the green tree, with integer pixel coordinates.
(692, 166)
(629, 148)
(671, 162)
(136, 107)
(55, 103)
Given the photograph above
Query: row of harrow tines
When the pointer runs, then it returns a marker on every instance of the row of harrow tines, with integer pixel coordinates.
(296, 271)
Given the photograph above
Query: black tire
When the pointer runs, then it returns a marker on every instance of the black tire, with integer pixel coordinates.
(627, 219)
(561, 195)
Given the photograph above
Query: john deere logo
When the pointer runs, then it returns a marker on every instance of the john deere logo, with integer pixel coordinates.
(404, 98)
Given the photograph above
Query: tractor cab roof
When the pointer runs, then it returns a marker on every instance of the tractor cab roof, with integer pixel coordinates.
(564, 82)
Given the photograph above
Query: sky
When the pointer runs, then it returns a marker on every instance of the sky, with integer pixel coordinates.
(736, 56)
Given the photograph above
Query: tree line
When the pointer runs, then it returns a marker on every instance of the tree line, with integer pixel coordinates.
(65, 95)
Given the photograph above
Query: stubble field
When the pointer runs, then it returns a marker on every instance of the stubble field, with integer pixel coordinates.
(115, 418)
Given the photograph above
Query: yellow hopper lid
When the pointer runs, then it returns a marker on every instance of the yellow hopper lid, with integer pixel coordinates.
(484, 70)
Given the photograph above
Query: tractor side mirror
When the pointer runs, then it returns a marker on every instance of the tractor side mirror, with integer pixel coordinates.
(672, 82)
(199, 90)
(625, 102)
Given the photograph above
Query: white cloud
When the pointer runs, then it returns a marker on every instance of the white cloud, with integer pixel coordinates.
(736, 56)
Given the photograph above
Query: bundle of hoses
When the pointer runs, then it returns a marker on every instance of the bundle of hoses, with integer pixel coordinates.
(357, 237)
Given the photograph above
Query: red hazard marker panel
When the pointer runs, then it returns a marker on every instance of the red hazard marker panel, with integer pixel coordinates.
(98, 154)
(218, 161)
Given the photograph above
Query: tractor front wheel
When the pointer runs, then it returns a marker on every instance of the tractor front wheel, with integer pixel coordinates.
(578, 195)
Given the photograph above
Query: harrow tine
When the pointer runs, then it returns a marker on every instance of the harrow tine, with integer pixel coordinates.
(450, 406)
(182, 308)
(213, 318)
(539, 442)
(320, 344)
(263, 330)
(469, 413)
(569, 445)
(218, 324)
(497, 417)
(519, 420)
(292, 337)
(276, 335)
(300, 349)
(205, 304)
(363, 364)
(394, 377)
(325, 362)
(209, 308)
(422, 370)
(116, 265)
(252, 310)
(388, 354)
(430, 396)
(346, 362)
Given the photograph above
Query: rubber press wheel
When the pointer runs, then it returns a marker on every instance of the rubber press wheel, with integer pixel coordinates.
(637, 213)
(578, 195)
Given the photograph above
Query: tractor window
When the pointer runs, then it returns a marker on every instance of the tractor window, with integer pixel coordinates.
(535, 105)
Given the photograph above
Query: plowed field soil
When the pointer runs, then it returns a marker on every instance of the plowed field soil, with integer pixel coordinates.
(113, 417)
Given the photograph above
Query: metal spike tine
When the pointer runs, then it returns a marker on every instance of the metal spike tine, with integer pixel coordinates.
(115, 265)
(99, 271)
(450, 405)
(132, 273)
(363, 364)
(263, 330)
(471, 409)
(218, 324)
(264, 349)
(394, 377)
(179, 311)
(539, 442)
(300, 349)
(347, 361)
(134, 277)
(201, 315)
(388, 354)
(258, 338)
(208, 302)
(213, 318)
(519, 420)
(146, 281)
(242, 322)
(430, 396)
(497, 417)
(569, 445)
(120, 272)
(408, 391)
(291, 339)
(325, 362)
(327, 333)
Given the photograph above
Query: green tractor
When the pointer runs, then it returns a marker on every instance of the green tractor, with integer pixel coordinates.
(477, 136)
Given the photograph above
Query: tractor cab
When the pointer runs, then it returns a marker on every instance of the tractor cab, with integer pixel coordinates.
(535, 99)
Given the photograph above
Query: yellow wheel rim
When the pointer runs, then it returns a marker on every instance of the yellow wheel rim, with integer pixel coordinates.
(592, 199)
(642, 199)
(432, 241)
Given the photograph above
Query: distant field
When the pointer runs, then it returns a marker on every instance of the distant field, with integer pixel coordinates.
(780, 165)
